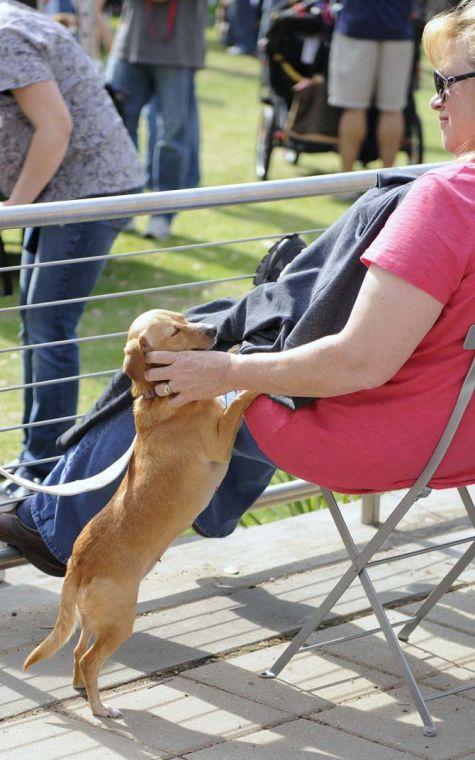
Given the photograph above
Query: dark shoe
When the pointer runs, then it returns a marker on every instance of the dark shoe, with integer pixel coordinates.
(275, 261)
(29, 543)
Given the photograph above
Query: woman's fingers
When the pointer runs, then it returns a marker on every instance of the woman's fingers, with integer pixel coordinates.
(161, 357)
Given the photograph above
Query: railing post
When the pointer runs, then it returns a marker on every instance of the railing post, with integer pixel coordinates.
(370, 503)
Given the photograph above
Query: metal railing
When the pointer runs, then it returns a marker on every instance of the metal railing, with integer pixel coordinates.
(44, 214)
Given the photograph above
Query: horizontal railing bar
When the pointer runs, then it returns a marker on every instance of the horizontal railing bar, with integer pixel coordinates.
(283, 492)
(126, 293)
(86, 339)
(57, 380)
(122, 206)
(30, 463)
(416, 552)
(273, 495)
(353, 636)
(27, 425)
(153, 251)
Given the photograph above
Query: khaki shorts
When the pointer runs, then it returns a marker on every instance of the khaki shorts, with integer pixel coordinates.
(359, 69)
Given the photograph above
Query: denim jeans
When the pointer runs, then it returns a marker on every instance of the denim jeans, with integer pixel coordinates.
(192, 172)
(55, 323)
(172, 91)
(61, 519)
(243, 20)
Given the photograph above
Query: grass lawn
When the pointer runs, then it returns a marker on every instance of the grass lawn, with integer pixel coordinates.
(228, 92)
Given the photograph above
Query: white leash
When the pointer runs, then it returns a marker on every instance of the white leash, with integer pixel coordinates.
(75, 487)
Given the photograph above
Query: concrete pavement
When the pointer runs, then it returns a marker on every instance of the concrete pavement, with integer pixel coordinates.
(214, 614)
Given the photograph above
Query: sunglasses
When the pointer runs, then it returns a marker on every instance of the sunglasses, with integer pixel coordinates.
(442, 83)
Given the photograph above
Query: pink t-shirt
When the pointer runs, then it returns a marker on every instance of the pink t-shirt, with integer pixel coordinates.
(380, 439)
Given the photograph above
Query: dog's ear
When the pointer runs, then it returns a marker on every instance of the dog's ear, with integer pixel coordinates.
(134, 364)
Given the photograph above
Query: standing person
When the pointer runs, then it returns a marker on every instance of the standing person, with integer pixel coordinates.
(60, 138)
(371, 55)
(156, 52)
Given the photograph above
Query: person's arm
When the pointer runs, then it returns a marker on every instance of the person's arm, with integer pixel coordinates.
(388, 321)
(44, 106)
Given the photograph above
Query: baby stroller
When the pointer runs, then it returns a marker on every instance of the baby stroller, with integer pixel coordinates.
(296, 115)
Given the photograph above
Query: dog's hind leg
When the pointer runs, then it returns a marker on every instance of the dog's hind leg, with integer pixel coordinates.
(79, 651)
(108, 640)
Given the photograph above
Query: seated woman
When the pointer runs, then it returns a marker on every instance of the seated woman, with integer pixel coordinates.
(383, 386)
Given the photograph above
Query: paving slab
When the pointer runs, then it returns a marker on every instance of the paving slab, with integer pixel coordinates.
(300, 740)
(390, 718)
(180, 715)
(455, 610)
(52, 735)
(306, 685)
(431, 646)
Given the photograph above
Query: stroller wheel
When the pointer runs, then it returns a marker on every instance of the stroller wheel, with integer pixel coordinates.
(265, 142)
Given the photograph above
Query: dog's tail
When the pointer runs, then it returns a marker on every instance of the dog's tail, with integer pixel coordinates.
(65, 622)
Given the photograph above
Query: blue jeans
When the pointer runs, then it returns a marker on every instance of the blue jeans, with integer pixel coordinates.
(55, 323)
(61, 519)
(243, 18)
(172, 90)
(192, 172)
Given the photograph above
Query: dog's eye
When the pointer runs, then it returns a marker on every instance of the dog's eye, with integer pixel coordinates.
(175, 332)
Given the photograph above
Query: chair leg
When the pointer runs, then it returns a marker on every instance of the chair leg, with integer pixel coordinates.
(312, 624)
(359, 561)
(449, 579)
(398, 655)
(438, 592)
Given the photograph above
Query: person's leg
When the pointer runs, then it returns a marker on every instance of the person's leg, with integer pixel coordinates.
(152, 113)
(192, 170)
(172, 87)
(394, 72)
(57, 323)
(245, 27)
(135, 82)
(352, 130)
(27, 258)
(389, 135)
(352, 78)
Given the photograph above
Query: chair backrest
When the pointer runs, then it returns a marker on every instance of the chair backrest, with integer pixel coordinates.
(463, 400)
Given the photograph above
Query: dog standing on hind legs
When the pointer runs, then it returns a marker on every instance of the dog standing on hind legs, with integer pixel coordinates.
(180, 458)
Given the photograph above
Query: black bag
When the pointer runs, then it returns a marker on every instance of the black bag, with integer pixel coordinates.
(282, 253)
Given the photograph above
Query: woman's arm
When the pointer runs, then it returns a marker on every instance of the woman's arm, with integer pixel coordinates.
(388, 321)
(44, 106)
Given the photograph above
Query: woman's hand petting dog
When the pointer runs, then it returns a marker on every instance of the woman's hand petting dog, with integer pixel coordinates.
(190, 375)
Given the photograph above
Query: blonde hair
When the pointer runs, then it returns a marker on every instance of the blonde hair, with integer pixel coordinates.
(451, 27)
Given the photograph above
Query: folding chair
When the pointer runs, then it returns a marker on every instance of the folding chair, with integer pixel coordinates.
(361, 561)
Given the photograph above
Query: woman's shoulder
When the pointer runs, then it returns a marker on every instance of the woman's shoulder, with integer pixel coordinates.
(452, 184)
(462, 169)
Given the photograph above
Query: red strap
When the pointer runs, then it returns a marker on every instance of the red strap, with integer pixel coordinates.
(171, 16)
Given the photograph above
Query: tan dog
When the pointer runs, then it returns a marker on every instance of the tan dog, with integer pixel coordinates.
(180, 458)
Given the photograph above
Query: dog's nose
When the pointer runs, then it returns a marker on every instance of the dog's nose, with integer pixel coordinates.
(209, 330)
